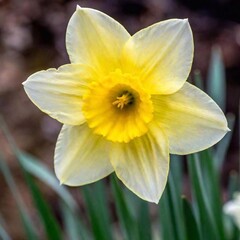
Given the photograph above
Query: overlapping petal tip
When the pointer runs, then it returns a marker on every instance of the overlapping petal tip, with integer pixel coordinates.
(80, 156)
(58, 92)
(190, 118)
(163, 54)
(143, 164)
(95, 39)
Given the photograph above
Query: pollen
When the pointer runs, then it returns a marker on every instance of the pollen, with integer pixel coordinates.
(124, 100)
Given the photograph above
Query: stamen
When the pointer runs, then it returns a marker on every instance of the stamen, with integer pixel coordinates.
(124, 100)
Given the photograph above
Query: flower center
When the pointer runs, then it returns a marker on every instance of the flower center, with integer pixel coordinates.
(117, 108)
(124, 100)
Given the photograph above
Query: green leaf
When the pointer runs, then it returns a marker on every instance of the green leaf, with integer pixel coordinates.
(38, 169)
(198, 79)
(167, 227)
(51, 226)
(3, 233)
(192, 231)
(216, 82)
(139, 210)
(176, 169)
(232, 230)
(27, 223)
(212, 183)
(132, 200)
(144, 221)
(233, 184)
(74, 228)
(98, 211)
(42, 172)
(205, 216)
(223, 145)
(127, 221)
(177, 210)
(171, 204)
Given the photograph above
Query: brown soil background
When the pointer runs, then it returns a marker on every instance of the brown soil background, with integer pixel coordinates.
(32, 38)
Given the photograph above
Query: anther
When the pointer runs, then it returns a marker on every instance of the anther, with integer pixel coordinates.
(124, 100)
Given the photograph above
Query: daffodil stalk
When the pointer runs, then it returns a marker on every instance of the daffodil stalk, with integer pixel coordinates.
(124, 103)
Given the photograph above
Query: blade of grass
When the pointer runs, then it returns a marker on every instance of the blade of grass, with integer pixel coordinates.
(133, 201)
(170, 208)
(223, 145)
(173, 192)
(3, 233)
(98, 211)
(177, 210)
(212, 183)
(198, 79)
(74, 228)
(139, 210)
(27, 223)
(176, 166)
(33, 166)
(127, 221)
(206, 221)
(50, 224)
(144, 221)
(216, 81)
(192, 231)
(38, 169)
(232, 230)
(167, 228)
(42, 172)
(233, 184)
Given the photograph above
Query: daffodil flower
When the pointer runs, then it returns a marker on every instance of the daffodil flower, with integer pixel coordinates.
(232, 208)
(125, 103)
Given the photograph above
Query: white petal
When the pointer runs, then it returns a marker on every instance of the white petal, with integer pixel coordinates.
(80, 156)
(190, 118)
(142, 164)
(232, 208)
(58, 92)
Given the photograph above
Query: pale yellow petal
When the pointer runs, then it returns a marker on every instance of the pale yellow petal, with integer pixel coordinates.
(190, 118)
(95, 39)
(58, 92)
(80, 156)
(161, 55)
(142, 164)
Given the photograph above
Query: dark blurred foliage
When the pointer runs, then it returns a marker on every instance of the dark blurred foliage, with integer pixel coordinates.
(32, 38)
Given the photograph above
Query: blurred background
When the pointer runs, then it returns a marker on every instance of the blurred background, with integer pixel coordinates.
(32, 38)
